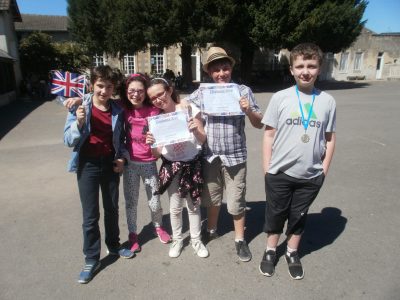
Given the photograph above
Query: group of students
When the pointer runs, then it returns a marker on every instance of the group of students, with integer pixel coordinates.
(110, 137)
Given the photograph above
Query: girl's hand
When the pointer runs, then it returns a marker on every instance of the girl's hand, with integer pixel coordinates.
(244, 104)
(80, 116)
(193, 124)
(150, 140)
(118, 165)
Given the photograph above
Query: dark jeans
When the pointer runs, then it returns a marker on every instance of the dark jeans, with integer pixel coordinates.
(95, 173)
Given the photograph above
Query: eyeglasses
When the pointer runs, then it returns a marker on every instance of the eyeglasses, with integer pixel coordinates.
(159, 96)
(133, 91)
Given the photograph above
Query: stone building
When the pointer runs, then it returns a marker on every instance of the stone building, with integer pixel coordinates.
(371, 57)
(10, 71)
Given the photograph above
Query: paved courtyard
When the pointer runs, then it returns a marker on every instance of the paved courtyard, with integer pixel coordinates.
(349, 251)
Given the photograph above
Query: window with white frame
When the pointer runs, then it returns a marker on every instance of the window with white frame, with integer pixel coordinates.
(129, 64)
(358, 61)
(343, 61)
(157, 60)
(98, 60)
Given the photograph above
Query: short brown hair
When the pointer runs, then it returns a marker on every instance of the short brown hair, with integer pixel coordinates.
(105, 73)
(308, 51)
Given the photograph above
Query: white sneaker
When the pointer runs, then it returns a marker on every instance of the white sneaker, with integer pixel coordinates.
(175, 248)
(200, 249)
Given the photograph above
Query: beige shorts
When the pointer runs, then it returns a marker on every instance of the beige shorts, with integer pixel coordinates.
(216, 177)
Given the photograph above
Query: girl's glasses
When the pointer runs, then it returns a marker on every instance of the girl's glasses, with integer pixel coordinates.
(159, 96)
(133, 91)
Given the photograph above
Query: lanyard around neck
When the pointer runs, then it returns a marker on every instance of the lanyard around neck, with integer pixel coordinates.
(305, 122)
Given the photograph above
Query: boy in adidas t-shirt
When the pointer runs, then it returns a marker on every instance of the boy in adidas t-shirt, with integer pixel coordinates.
(298, 146)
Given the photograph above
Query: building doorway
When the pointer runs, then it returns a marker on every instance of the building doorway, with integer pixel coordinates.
(379, 65)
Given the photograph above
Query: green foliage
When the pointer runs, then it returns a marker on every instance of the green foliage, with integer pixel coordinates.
(128, 26)
(37, 54)
(72, 57)
(88, 23)
(333, 25)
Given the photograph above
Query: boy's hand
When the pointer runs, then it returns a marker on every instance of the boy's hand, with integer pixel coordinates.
(244, 104)
(80, 116)
(71, 102)
(118, 165)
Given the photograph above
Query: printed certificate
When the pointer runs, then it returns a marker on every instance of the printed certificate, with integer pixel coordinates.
(169, 128)
(220, 99)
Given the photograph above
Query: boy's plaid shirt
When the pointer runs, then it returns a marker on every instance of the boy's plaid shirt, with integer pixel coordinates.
(226, 138)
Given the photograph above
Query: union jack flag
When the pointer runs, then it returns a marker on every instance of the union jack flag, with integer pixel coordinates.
(67, 84)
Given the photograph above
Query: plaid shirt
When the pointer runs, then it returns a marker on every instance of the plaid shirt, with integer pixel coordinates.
(226, 138)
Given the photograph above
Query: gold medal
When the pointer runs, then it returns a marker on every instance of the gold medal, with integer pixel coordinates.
(305, 138)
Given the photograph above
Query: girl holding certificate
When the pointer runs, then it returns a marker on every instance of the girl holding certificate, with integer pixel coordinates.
(142, 164)
(180, 172)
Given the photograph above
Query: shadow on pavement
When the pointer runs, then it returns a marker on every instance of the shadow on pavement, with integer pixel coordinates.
(322, 229)
(12, 114)
(106, 261)
(254, 220)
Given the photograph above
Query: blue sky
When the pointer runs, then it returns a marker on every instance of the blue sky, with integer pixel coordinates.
(382, 15)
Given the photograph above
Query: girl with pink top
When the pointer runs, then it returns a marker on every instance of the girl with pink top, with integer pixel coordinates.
(142, 164)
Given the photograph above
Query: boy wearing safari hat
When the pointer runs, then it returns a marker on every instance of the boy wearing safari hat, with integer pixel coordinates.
(225, 152)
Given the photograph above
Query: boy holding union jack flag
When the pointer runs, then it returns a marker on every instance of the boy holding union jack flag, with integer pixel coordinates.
(96, 132)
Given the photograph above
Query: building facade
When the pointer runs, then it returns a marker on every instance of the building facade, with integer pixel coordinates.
(371, 57)
(10, 71)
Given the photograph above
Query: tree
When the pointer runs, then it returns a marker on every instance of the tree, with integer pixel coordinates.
(238, 32)
(37, 54)
(186, 22)
(276, 24)
(87, 23)
(72, 57)
(333, 25)
(125, 26)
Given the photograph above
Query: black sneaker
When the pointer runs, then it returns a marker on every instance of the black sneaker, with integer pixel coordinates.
(243, 251)
(294, 264)
(267, 265)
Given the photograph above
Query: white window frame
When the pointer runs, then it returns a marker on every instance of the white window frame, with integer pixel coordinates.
(157, 60)
(98, 60)
(129, 64)
(344, 61)
(358, 60)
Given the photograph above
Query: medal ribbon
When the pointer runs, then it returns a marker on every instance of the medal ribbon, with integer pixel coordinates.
(305, 122)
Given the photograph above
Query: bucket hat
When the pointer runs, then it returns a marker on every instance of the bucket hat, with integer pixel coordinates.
(215, 53)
